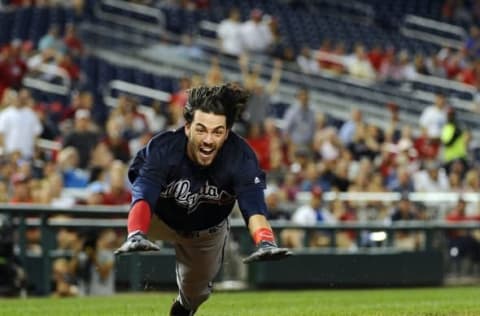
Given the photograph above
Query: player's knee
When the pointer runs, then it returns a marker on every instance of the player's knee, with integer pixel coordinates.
(194, 297)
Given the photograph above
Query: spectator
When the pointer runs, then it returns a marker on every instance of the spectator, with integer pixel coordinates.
(229, 33)
(12, 66)
(117, 193)
(19, 126)
(434, 117)
(359, 66)
(66, 63)
(406, 240)
(52, 40)
(117, 144)
(300, 121)
(214, 75)
(102, 272)
(64, 280)
(68, 163)
(347, 130)
(308, 215)
(255, 34)
(426, 147)
(21, 189)
(402, 182)
(257, 108)
(188, 48)
(375, 56)
(274, 201)
(56, 192)
(306, 62)
(260, 143)
(342, 213)
(72, 41)
(82, 138)
(455, 141)
(432, 178)
(462, 243)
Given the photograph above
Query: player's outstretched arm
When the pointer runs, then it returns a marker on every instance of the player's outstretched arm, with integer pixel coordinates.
(138, 224)
(267, 249)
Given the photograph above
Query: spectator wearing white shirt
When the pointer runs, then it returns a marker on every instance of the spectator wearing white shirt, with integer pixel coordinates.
(229, 34)
(433, 179)
(256, 34)
(308, 215)
(19, 125)
(306, 62)
(434, 117)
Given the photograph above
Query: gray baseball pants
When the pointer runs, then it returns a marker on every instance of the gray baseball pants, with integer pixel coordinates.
(199, 257)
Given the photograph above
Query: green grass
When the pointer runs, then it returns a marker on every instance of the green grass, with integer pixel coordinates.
(451, 301)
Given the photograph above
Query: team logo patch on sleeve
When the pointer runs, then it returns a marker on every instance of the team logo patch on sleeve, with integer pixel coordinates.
(256, 180)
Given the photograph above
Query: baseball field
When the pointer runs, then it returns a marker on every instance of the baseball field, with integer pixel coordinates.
(451, 301)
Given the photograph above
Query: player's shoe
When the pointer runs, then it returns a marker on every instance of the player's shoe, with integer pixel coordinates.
(178, 310)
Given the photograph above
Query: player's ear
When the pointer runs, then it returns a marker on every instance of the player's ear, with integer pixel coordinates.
(187, 129)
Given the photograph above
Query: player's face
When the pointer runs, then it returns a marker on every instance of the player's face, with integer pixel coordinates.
(206, 135)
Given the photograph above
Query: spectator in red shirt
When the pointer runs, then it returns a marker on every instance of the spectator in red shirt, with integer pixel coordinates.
(260, 144)
(66, 63)
(461, 242)
(426, 148)
(71, 40)
(12, 68)
(376, 56)
(118, 194)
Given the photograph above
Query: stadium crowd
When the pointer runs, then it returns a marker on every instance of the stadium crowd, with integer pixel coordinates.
(311, 152)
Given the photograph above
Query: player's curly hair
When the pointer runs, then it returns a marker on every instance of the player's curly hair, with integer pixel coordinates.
(228, 99)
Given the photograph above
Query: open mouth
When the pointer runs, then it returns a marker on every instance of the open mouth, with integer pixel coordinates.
(206, 152)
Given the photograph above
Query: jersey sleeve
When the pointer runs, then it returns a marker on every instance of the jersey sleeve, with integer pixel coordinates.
(148, 174)
(249, 183)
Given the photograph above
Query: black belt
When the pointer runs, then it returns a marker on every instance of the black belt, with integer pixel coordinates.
(199, 233)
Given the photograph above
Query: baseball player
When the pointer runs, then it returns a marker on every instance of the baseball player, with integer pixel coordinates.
(190, 178)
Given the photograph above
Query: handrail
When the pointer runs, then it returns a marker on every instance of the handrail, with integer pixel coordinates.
(48, 144)
(434, 24)
(157, 28)
(34, 82)
(134, 89)
(239, 224)
(46, 210)
(49, 224)
(395, 196)
(428, 37)
(425, 24)
(352, 4)
(42, 85)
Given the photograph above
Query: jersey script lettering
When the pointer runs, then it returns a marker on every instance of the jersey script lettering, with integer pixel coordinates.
(180, 191)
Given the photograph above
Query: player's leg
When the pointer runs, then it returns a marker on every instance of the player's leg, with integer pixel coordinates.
(198, 261)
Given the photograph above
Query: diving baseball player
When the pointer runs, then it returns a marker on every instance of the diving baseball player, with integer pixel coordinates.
(190, 178)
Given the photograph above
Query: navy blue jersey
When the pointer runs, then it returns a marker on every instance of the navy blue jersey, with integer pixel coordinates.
(189, 197)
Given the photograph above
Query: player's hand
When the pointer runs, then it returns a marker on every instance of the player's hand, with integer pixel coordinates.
(267, 251)
(137, 242)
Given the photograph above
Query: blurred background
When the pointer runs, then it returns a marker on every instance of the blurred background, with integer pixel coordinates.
(364, 114)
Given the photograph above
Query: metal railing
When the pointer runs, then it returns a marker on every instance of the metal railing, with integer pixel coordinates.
(115, 217)
(44, 78)
(428, 30)
(155, 28)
